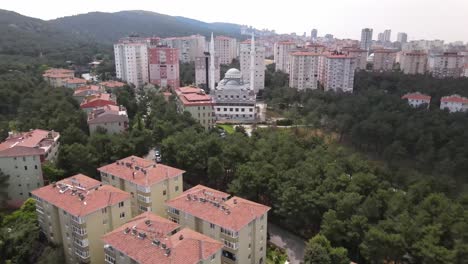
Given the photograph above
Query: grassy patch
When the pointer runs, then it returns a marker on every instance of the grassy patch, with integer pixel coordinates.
(228, 128)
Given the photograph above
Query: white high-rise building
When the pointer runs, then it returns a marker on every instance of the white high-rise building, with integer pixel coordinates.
(402, 37)
(281, 55)
(387, 35)
(304, 71)
(189, 47)
(131, 60)
(226, 49)
(314, 34)
(259, 62)
(366, 38)
(337, 72)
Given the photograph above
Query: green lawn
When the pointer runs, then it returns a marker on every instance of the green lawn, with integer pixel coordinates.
(228, 128)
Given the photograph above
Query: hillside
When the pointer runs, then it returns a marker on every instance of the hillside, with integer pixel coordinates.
(108, 27)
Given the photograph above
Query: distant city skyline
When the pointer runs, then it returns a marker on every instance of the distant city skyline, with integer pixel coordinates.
(421, 19)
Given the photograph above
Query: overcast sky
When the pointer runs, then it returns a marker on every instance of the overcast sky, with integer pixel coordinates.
(421, 19)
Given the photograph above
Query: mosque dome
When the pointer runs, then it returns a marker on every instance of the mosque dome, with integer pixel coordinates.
(233, 73)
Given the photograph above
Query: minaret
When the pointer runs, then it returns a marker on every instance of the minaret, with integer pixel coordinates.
(252, 63)
(211, 82)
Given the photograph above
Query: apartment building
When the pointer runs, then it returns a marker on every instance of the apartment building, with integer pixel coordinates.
(413, 62)
(82, 92)
(56, 77)
(446, 65)
(304, 70)
(199, 104)
(225, 49)
(164, 66)
(21, 158)
(359, 55)
(73, 83)
(337, 72)
(454, 103)
(149, 184)
(202, 70)
(97, 100)
(241, 225)
(366, 38)
(110, 86)
(281, 55)
(259, 62)
(315, 48)
(76, 212)
(112, 118)
(131, 60)
(384, 59)
(402, 37)
(417, 99)
(149, 239)
(189, 47)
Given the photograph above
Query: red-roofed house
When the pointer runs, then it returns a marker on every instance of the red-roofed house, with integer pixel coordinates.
(74, 83)
(84, 91)
(97, 100)
(454, 103)
(149, 183)
(198, 104)
(111, 85)
(240, 224)
(417, 99)
(77, 211)
(21, 158)
(112, 118)
(56, 77)
(151, 239)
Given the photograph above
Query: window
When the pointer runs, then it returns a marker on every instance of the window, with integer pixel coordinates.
(121, 204)
(173, 211)
(113, 177)
(212, 226)
(24, 158)
(164, 192)
(110, 259)
(104, 210)
(35, 167)
(122, 215)
(25, 167)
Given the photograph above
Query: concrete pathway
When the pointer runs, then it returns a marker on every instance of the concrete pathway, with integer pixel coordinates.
(293, 244)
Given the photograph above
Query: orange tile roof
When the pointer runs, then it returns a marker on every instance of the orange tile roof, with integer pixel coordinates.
(455, 98)
(217, 208)
(81, 195)
(58, 73)
(416, 96)
(192, 96)
(183, 247)
(75, 81)
(112, 84)
(140, 171)
(97, 100)
(34, 142)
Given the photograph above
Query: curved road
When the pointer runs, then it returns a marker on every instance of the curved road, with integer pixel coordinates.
(293, 244)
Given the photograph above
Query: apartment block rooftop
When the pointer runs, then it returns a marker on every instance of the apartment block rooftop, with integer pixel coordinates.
(33, 142)
(149, 238)
(140, 171)
(80, 195)
(218, 208)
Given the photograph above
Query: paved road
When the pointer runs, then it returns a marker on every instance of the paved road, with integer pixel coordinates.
(293, 244)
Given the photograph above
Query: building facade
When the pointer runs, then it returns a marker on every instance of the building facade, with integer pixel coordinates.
(21, 157)
(402, 37)
(56, 77)
(360, 57)
(337, 72)
(131, 60)
(164, 66)
(446, 65)
(225, 49)
(413, 62)
(304, 72)
(76, 212)
(189, 47)
(149, 184)
(417, 99)
(454, 103)
(259, 62)
(149, 239)
(202, 71)
(199, 104)
(239, 224)
(73, 83)
(82, 92)
(112, 118)
(281, 55)
(384, 60)
(366, 38)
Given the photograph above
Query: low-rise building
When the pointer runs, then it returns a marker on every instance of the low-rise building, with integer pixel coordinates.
(151, 239)
(384, 59)
(241, 225)
(304, 70)
(21, 158)
(150, 184)
(82, 92)
(76, 212)
(97, 100)
(446, 65)
(110, 86)
(413, 62)
(417, 99)
(454, 103)
(74, 83)
(55, 77)
(337, 72)
(198, 104)
(112, 118)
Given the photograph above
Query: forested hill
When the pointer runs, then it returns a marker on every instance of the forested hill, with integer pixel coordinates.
(108, 27)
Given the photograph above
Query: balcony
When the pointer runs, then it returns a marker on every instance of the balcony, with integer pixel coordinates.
(143, 189)
(81, 242)
(144, 199)
(83, 254)
(230, 245)
(77, 220)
